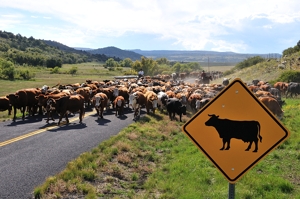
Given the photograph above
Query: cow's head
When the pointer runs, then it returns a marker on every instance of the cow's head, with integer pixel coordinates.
(153, 99)
(13, 98)
(98, 100)
(212, 120)
(116, 92)
(51, 104)
(119, 102)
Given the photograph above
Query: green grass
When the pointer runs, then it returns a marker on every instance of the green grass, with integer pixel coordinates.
(154, 159)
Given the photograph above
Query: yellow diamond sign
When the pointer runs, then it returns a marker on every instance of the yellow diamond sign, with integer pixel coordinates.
(235, 130)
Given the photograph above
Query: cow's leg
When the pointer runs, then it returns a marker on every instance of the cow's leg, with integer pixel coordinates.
(180, 117)
(228, 144)
(224, 142)
(101, 112)
(170, 115)
(60, 118)
(249, 146)
(256, 146)
(67, 119)
(23, 110)
(15, 112)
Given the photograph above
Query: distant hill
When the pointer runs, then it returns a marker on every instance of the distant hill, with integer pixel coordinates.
(116, 52)
(201, 56)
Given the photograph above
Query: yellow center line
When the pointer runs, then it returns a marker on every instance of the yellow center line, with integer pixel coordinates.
(39, 131)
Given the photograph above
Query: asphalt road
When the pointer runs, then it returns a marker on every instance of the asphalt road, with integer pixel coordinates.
(31, 150)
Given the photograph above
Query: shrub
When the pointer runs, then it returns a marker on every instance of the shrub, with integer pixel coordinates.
(290, 76)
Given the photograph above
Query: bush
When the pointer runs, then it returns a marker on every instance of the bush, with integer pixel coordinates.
(26, 74)
(7, 70)
(249, 62)
(55, 70)
(289, 76)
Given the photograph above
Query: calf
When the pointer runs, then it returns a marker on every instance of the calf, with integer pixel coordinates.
(99, 101)
(119, 104)
(175, 106)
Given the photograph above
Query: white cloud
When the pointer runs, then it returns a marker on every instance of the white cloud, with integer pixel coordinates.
(193, 24)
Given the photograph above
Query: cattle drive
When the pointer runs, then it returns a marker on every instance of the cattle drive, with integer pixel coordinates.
(175, 93)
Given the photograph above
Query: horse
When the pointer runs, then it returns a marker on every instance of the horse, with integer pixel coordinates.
(206, 79)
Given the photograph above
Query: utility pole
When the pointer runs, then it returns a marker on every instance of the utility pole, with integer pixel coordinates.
(207, 64)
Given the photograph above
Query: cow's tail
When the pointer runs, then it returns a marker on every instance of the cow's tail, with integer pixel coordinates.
(260, 138)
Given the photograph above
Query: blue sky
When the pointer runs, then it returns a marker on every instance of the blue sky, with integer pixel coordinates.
(248, 26)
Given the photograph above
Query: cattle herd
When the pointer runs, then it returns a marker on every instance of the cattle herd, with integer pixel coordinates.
(174, 96)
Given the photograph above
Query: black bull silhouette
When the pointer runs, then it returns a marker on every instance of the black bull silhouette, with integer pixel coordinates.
(248, 131)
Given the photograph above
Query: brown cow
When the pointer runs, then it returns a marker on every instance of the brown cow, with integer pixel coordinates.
(99, 101)
(151, 101)
(86, 92)
(18, 100)
(66, 104)
(137, 100)
(122, 91)
(119, 104)
(192, 101)
(32, 102)
(108, 92)
(272, 105)
(43, 102)
(170, 94)
(5, 105)
(282, 86)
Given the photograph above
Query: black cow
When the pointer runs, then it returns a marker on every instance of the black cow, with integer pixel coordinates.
(255, 82)
(226, 81)
(175, 106)
(293, 89)
(248, 131)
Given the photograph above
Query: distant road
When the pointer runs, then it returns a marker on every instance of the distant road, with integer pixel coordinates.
(31, 150)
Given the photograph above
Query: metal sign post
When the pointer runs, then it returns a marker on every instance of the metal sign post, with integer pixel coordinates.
(231, 190)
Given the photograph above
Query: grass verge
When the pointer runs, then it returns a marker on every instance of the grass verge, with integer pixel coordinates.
(152, 158)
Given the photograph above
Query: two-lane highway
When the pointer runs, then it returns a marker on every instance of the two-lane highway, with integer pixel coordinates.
(31, 150)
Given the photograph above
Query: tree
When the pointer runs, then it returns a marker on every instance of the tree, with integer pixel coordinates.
(73, 70)
(127, 62)
(7, 70)
(162, 60)
(298, 43)
(110, 63)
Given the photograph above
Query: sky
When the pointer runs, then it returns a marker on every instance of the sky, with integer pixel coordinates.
(247, 26)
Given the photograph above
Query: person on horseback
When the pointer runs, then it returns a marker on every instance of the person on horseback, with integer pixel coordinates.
(203, 75)
(141, 73)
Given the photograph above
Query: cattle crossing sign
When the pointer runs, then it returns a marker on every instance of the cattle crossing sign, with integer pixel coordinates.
(235, 130)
